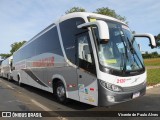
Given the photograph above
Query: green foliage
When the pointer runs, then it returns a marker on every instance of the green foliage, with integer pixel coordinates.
(4, 56)
(151, 55)
(110, 12)
(104, 11)
(153, 76)
(154, 53)
(158, 40)
(75, 9)
(158, 43)
(15, 46)
(158, 37)
(153, 70)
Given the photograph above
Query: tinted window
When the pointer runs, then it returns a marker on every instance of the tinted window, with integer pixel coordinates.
(68, 31)
(84, 52)
(85, 59)
(46, 43)
(16, 56)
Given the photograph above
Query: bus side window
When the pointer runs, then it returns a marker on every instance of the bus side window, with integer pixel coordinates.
(84, 51)
(85, 54)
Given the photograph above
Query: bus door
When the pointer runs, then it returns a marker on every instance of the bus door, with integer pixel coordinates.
(86, 70)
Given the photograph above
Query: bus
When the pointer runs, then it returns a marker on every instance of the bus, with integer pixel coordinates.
(86, 57)
(0, 66)
(6, 66)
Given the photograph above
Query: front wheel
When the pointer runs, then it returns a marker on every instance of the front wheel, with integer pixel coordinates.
(61, 92)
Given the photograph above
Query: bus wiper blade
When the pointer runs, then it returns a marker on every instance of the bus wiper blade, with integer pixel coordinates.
(132, 49)
(123, 63)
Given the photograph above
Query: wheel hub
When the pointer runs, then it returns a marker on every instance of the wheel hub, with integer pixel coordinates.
(60, 91)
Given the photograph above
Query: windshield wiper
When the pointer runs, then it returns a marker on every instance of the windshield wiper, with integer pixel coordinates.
(132, 49)
(123, 63)
(124, 54)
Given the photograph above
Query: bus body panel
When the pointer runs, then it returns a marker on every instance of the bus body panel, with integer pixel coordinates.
(0, 68)
(123, 81)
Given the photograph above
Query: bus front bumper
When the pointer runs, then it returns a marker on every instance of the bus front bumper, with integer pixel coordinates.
(107, 97)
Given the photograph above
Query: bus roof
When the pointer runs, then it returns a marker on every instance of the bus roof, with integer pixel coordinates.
(84, 15)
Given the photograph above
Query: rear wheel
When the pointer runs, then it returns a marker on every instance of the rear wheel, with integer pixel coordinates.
(8, 77)
(19, 81)
(61, 92)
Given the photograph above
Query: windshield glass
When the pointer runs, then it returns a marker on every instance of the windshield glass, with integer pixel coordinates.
(121, 52)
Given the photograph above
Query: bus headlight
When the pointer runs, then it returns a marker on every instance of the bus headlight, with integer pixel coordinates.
(110, 86)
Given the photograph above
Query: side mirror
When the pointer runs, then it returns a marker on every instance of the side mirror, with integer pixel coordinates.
(102, 26)
(149, 36)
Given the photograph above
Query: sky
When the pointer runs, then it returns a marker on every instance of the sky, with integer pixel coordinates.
(23, 19)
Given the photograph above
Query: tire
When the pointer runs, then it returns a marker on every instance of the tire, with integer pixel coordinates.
(8, 77)
(61, 92)
(19, 81)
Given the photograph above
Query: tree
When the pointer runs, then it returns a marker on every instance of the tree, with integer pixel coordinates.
(158, 40)
(158, 36)
(111, 13)
(4, 56)
(154, 54)
(104, 11)
(75, 9)
(14, 47)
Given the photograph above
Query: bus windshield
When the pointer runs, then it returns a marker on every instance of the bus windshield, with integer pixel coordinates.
(120, 52)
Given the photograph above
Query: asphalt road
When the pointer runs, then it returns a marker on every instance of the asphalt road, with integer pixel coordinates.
(26, 98)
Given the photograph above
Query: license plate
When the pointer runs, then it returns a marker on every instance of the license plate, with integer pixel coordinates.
(135, 95)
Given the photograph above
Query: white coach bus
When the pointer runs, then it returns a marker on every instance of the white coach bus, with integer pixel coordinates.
(87, 57)
(0, 67)
(6, 68)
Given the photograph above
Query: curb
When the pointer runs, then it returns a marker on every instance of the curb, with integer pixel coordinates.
(149, 87)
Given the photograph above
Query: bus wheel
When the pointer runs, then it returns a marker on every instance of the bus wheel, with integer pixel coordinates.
(8, 77)
(19, 81)
(61, 92)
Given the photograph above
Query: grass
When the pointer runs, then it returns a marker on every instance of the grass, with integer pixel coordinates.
(153, 76)
(152, 62)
